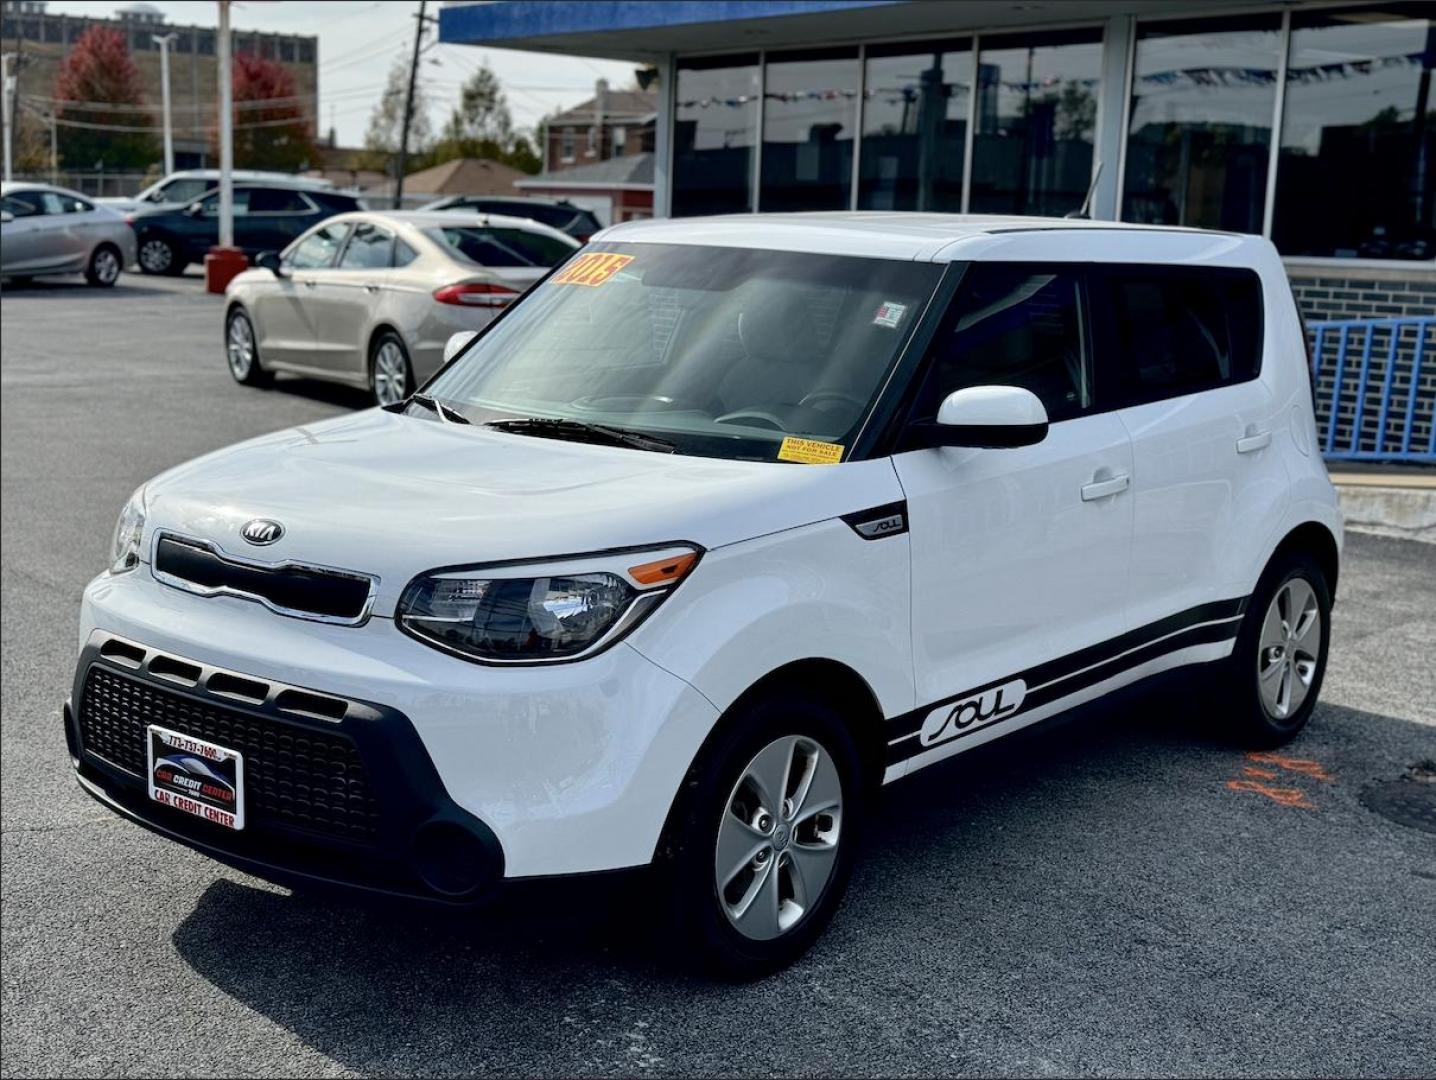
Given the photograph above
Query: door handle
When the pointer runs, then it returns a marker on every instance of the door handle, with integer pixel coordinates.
(1250, 443)
(371, 288)
(309, 283)
(1100, 489)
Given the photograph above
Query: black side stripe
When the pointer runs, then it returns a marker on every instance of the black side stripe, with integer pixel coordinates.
(1066, 675)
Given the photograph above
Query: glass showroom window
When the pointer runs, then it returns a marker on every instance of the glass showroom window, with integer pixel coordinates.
(1199, 140)
(1036, 118)
(810, 109)
(1357, 173)
(714, 134)
(915, 105)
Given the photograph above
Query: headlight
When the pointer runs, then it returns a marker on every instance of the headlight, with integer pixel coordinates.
(125, 550)
(543, 612)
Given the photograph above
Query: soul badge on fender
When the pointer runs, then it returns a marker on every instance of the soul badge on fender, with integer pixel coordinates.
(972, 712)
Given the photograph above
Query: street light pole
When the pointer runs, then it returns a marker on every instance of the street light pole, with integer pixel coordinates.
(164, 41)
(9, 112)
(226, 130)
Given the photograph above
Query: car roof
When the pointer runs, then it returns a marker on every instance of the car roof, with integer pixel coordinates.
(36, 185)
(877, 233)
(519, 199)
(425, 219)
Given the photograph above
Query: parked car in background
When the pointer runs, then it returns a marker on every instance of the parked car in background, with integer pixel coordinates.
(267, 216)
(52, 230)
(370, 299)
(564, 216)
(190, 184)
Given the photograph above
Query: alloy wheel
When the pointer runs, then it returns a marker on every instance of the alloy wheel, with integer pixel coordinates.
(240, 347)
(156, 256)
(107, 266)
(391, 374)
(1289, 649)
(778, 838)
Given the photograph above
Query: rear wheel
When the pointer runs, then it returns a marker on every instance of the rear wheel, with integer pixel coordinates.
(104, 269)
(765, 834)
(242, 352)
(390, 377)
(1277, 666)
(158, 256)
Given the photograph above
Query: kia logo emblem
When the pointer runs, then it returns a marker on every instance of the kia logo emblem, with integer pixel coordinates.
(262, 531)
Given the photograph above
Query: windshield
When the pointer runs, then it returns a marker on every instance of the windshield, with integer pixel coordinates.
(723, 352)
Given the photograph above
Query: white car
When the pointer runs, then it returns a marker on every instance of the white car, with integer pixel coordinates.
(51, 230)
(724, 526)
(187, 185)
(370, 298)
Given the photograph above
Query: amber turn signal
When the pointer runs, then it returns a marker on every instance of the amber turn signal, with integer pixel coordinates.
(671, 569)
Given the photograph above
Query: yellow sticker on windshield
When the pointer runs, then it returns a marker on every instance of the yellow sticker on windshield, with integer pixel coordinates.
(592, 269)
(810, 451)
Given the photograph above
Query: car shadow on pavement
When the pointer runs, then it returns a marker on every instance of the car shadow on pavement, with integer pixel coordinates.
(49, 289)
(986, 880)
(328, 393)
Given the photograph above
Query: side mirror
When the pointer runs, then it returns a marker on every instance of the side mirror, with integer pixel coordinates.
(270, 260)
(6, 217)
(986, 417)
(457, 343)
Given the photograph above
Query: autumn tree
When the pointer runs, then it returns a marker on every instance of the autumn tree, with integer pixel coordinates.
(97, 82)
(271, 130)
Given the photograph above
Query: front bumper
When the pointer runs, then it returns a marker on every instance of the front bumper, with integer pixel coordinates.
(569, 768)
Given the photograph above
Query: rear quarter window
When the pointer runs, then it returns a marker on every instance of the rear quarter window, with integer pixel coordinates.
(1180, 330)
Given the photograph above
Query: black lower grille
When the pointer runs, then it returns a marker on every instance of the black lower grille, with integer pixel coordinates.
(294, 776)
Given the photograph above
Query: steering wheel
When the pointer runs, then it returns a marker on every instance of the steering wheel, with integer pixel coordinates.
(817, 396)
(744, 415)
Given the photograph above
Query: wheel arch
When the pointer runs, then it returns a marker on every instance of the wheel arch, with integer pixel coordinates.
(831, 681)
(1315, 539)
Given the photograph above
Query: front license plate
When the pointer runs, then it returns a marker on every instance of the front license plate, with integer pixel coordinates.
(196, 777)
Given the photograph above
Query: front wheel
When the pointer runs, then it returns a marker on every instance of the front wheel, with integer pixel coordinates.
(104, 268)
(1275, 672)
(764, 839)
(242, 352)
(390, 377)
(158, 256)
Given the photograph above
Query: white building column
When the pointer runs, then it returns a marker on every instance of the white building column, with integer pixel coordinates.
(663, 137)
(1111, 137)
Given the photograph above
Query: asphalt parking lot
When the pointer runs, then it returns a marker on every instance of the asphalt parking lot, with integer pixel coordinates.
(1120, 894)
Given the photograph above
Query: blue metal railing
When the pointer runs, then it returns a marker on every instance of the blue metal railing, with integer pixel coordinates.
(1375, 401)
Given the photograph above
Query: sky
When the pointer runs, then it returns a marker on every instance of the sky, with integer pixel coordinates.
(360, 39)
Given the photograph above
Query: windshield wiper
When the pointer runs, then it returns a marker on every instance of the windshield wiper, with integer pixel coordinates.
(446, 413)
(583, 431)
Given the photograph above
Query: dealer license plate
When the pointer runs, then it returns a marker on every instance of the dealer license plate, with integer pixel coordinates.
(196, 777)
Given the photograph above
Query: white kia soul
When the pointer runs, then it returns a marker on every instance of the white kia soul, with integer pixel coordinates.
(723, 526)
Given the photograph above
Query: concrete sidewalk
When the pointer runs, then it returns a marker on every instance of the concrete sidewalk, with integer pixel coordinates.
(1388, 501)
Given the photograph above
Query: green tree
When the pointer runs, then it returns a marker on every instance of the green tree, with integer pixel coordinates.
(386, 122)
(97, 80)
(482, 113)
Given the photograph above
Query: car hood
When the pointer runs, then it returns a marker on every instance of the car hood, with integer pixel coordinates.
(393, 496)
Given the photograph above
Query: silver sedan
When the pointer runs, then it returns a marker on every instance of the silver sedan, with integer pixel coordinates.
(370, 299)
(51, 230)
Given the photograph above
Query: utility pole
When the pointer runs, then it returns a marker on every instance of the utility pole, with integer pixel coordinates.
(226, 130)
(420, 23)
(164, 41)
(9, 111)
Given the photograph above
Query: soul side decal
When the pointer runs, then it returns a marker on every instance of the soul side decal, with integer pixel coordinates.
(972, 712)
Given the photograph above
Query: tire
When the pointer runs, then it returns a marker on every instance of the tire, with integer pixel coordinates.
(391, 377)
(1276, 669)
(105, 266)
(241, 350)
(717, 894)
(159, 256)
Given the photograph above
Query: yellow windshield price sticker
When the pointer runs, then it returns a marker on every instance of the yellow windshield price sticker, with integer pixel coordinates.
(592, 269)
(810, 451)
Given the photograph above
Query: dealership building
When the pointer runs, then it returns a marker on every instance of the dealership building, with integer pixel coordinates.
(1312, 123)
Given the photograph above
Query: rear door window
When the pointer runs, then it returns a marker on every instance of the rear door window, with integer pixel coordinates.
(502, 247)
(1013, 324)
(1170, 331)
(370, 248)
(277, 201)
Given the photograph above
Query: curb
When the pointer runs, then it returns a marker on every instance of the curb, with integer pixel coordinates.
(1398, 506)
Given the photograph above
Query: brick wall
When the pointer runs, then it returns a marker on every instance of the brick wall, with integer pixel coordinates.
(1375, 389)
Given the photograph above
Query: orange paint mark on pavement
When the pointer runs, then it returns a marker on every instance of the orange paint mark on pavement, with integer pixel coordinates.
(1259, 774)
(1285, 796)
(1305, 766)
